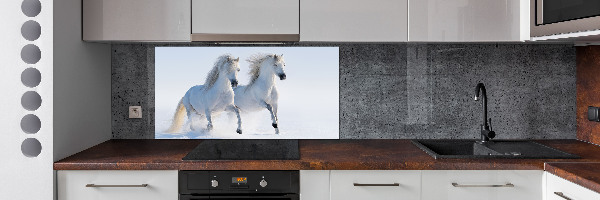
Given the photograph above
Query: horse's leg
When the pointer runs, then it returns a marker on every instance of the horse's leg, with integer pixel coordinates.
(190, 121)
(209, 119)
(237, 112)
(273, 117)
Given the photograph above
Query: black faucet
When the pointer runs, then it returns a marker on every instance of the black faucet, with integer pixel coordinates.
(486, 130)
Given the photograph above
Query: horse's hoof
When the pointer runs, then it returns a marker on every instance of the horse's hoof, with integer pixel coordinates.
(239, 131)
(274, 125)
(209, 127)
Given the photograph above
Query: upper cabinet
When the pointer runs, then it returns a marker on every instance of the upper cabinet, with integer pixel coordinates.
(245, 20)
(136, 20)
(354, 20)
(468, 20)
(307, 20)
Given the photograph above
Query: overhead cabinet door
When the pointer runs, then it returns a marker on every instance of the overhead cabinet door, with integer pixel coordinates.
(136, 20)
(354, 20)
(245, 20)
(468, 21)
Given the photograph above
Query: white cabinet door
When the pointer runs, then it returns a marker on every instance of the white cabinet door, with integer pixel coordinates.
(314, 184)
(354, 20)
(561, 189)
(468, 20)
(117, 185)
(136, 20)
(482, 184)
(375, 185)
(244, 17)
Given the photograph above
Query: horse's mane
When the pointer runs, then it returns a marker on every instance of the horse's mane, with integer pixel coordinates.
(255, 61)
(213, 75)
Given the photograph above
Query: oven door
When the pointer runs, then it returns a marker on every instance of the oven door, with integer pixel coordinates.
(236, 197)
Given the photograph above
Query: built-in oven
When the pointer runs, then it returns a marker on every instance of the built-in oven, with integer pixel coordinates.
(234, 185)
(553, 17)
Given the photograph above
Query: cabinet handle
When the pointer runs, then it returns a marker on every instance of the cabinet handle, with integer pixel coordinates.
(94, 185)
(560, 194)
(361, 184)
(505, 185)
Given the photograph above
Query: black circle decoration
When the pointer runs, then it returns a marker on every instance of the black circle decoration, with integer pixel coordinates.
(31, 30)
(31, 147)
(31, 100)
(31, 124)
(31, 77)
(31, 8)
(31, 54)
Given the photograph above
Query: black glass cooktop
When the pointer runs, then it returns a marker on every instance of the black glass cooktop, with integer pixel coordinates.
(245, 150)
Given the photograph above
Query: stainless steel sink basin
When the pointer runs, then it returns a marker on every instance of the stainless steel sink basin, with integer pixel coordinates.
(493, 149)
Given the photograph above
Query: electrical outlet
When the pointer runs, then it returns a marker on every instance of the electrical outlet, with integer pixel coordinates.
(135, 112)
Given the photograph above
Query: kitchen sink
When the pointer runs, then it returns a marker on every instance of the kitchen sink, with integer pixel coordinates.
(440, 149)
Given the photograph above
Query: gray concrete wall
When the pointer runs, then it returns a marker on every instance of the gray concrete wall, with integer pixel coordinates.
(409, 90)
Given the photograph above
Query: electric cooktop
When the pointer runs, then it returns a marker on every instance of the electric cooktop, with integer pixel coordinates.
(245, 150)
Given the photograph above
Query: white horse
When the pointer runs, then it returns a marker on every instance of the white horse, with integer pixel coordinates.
(261, 92)
(216, 95)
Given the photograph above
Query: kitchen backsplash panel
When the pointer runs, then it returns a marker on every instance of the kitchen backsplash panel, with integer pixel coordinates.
(405, 91)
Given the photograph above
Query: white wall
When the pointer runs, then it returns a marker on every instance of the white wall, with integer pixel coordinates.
(75, 92)
(24, 177)
(82, 84)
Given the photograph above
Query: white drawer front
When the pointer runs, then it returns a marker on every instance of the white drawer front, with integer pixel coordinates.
(162, 185)
(567, 188)
(476, 184)
(343, 188)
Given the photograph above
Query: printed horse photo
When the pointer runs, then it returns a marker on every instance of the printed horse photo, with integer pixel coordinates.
(215, 96)
(261, 93)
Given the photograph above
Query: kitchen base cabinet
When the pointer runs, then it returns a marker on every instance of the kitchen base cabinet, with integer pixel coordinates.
(314, 184)
(482, 184)
(561, 189)
(117, 185)
(375, 185)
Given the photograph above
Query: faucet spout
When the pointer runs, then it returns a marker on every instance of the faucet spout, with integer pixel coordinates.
(486, 132)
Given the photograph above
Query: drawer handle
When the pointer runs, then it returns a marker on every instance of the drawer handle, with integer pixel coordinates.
(362, 184)
(560, 194)
(94, 185)
(505, 185)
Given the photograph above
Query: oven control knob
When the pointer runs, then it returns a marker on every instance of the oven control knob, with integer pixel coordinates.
(214, 183)
(263, 183)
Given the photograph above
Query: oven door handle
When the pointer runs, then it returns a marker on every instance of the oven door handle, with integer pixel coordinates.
(250, 197)
(245, 196)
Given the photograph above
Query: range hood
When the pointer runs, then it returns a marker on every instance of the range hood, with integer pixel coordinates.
(245, 21)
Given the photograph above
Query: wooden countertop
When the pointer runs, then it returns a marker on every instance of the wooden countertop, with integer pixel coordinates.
(331, 155)
(314, 155)
(581, 173)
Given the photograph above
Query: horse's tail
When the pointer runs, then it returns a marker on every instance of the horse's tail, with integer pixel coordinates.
(178, 118)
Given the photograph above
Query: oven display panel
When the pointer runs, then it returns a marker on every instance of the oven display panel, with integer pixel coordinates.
(239, 180)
